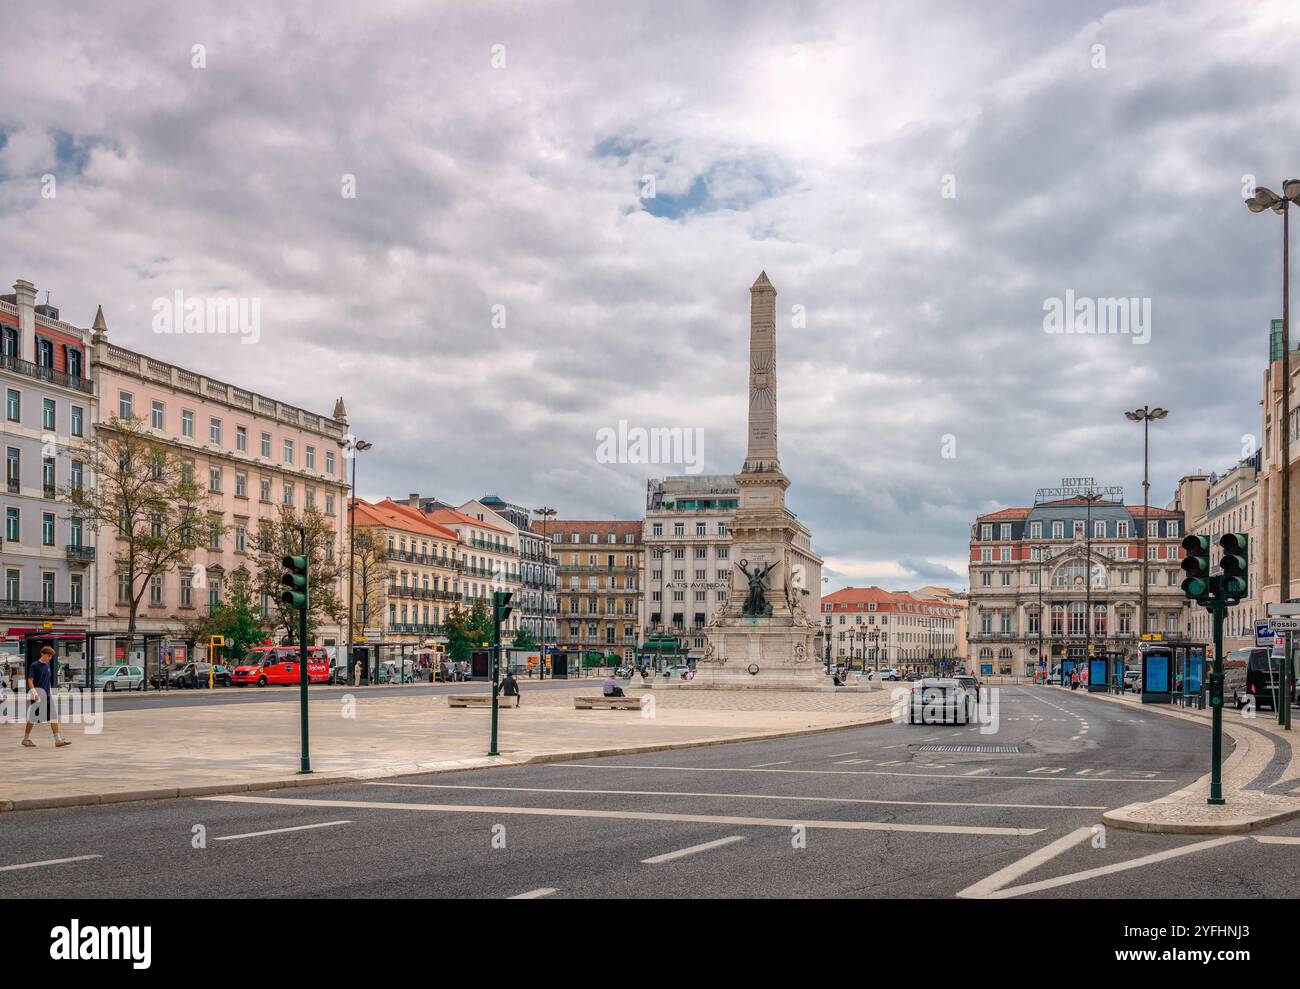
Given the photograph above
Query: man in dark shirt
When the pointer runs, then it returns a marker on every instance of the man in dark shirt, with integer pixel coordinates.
(38, 682)
(510, 688)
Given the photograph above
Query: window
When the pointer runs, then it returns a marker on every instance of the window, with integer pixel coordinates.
(47, 588)
(12, 525)
(329, 462)
(156, 589)
(329, 510)
(124, 404)
(1173, 529)
(13, 406)
(266, 445)
(76, 420)
(47, 414)
(1121, 529)
(1099, 529)
(74, 531)
(214, 535)
(266, 489)
(288, 451)
(157, 415)
(1005, 531)
(13, 585)
(13, 469)
(241, 485)
(241, 538)
(74, 590)
(123, 589)
(1058, 530)
(241, 438)
(311, 458)
(187, 590)
(47, 528)
(214, 479)
(214, 431)
(288, 492)
(1035, 530)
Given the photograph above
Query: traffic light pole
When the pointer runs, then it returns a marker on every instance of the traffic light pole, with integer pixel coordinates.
(305, 759)
(1218, 610)
(496, 674)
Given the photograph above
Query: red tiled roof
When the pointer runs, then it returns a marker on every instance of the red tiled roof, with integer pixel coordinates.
(393, 516)
(585, 527)
(1006, 515)
(448, 516)
(1154, 512)
(856, 599)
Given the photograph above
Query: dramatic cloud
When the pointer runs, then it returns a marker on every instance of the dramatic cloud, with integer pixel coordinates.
(918, 180)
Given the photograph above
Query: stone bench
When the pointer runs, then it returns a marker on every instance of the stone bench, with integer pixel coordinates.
(607, 703)
(480, 700)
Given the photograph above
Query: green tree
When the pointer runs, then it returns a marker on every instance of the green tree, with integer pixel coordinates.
(238, 619)
(144, 493)
(277, 537)
(524, 640)
(467, 630)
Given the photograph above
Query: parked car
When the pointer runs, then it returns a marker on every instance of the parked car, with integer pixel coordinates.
(890, 674)
(1133, 680)
(198, 675)
(120, 677)
(678, 672)
(969, 683)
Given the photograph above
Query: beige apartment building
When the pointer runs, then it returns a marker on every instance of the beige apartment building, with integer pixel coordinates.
(253, 454)
(489, 556)
(598, 574)
(1214, 504)
(688, 566)
(419, 578)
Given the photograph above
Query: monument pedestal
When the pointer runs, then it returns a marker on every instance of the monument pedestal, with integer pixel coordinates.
(761, 653)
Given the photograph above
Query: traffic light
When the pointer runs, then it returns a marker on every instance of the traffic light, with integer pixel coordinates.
(294, 580)
(1196, 564)
(1235, 563)
(501, 606)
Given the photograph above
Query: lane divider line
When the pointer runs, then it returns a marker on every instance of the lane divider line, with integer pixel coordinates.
(300, 827)
(614, 815)
(35, 865)
(533, 894)
(865, 772)
(693, 850)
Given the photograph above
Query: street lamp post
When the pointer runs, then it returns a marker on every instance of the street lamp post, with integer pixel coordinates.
(1144, 415)
(1264, 199)
(1091, 497)
(351, 446)
(546, 513)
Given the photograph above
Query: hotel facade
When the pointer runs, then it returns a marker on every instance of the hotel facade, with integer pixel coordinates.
(1036, 571)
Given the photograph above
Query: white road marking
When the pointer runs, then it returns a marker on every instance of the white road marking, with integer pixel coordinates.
(683, 852)
(747, 796)
(616, 815)
(34, 865)
(783, 762)
(996, 886)
(300, 827)
(839, 754)
(976, 772)
(1277, 840)
(860, 772)
(533, 894)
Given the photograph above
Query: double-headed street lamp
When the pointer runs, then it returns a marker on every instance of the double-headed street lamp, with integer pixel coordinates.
(1144, 415)
(351, 446)
(1266, 199)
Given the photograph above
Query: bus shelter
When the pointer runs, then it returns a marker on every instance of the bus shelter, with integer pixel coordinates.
(1174, 672)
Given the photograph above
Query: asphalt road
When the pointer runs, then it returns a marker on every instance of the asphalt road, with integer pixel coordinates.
(861, 812)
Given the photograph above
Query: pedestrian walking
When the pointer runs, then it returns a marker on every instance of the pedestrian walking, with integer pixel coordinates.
(38, 682)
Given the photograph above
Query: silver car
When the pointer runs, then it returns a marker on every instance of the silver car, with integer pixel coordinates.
(940, 701)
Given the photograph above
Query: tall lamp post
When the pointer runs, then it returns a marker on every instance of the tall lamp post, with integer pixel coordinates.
(1042, 555)
(1091, 498)
(1144, 415)
(351, 446)
(546, 514)
(1265, 199)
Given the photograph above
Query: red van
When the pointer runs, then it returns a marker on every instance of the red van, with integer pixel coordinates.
(279, 665)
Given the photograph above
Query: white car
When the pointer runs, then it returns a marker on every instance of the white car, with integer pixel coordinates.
(120, 677)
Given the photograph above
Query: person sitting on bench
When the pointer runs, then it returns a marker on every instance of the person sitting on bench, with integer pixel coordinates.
(611, 689)
(510, 687)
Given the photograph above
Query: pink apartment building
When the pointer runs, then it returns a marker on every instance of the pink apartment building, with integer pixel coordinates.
(251, 452)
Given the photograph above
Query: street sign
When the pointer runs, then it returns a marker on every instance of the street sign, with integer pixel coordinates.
(1284, 624)
(1284, 609)
(1279, 647)
(1263, 637)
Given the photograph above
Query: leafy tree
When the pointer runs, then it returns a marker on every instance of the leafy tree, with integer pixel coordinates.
(369, 578)
(238, 619)
(145, 492)
(524, 640)
(467, 630)
(277, 537)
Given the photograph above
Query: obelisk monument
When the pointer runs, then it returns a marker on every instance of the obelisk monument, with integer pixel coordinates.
(766, 634)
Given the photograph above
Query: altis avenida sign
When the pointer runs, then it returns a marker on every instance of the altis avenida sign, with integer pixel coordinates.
(1079, 487)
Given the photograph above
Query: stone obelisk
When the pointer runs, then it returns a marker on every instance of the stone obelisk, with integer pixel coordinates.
(765, 637)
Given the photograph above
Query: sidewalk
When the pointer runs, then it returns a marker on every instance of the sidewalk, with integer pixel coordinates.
(1261, 777)
(153, 753)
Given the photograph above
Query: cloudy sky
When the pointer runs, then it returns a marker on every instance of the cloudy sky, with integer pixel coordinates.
(559, 209)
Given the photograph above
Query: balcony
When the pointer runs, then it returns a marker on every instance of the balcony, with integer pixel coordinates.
(31, 370)
(38, 609)
(12, 485)
(81, 554)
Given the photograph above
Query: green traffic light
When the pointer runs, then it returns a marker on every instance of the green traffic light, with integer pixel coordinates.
(294, 580)
(1196, 587)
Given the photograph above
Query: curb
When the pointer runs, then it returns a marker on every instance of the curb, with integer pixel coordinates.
(1127, 818)
(409, 769)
